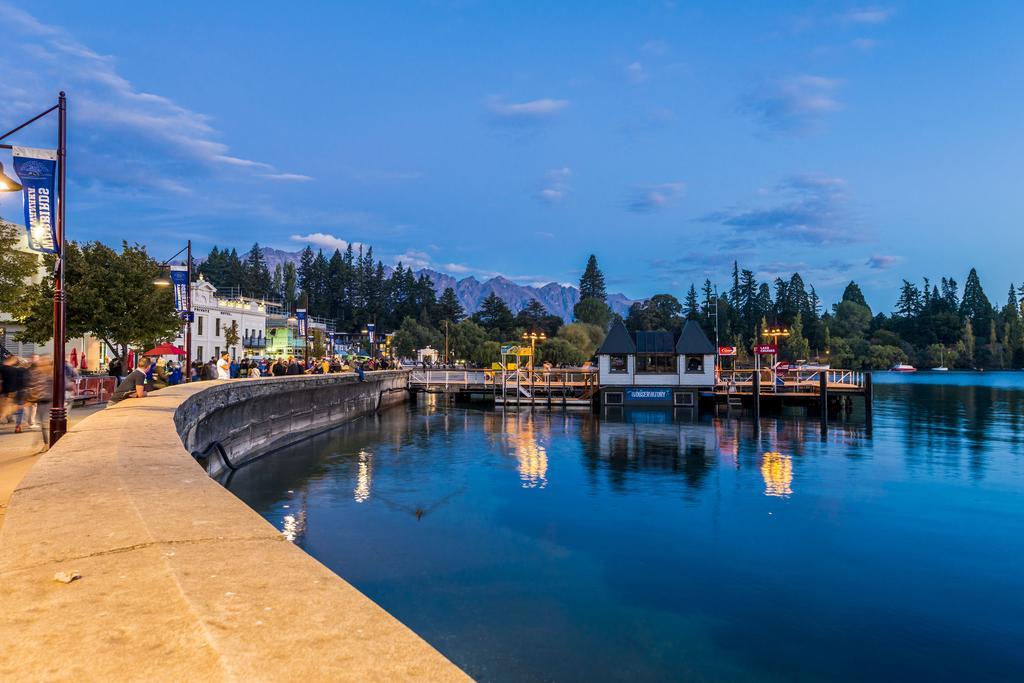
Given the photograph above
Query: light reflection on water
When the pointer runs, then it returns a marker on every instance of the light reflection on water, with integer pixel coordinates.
(563, 546)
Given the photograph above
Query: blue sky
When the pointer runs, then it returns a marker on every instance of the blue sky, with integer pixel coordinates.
(847, 141)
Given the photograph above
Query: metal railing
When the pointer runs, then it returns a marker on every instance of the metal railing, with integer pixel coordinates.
(791, 380)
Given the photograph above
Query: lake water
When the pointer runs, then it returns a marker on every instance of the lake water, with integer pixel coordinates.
(561, 546)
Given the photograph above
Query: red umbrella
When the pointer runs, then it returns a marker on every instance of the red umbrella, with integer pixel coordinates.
(165, 349)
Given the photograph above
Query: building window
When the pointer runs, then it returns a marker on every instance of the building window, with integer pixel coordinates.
(656, 363)
(216, 352)
(617, 363)
(695, 365)
(199, 352)
(683, 398)
(199, 326)
(216, 327)
(613, 398)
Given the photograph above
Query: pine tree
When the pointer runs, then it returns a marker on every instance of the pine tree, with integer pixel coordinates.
(289, 281)
(495, 316)
(692, 306)
(734, 293)
(974, 305)
(306, 272)
(449, 308)
(592, 282)
(277, 283)
(255, 275)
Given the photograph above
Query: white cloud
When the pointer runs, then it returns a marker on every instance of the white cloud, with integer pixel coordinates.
(636, 74)
(655, 47)
(323, 240)
(555, 185)
(292, 177)
(868, 15)
(881, 261)
(533, 111)
(110, 111)
(414, 259)
(794, 104)
(655, 197)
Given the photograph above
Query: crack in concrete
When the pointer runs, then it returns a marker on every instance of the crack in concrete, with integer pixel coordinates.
(142, 546)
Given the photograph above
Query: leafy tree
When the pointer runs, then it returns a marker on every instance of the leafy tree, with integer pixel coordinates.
(853, 293)
(464, 338)
(584, 338)
(289, 283)
(592, 311)
(16, 267)
(412, 336)
(560, 351)
(592, 282)
(796, 346)
(660, 312)
(231, 336)
(110, 295)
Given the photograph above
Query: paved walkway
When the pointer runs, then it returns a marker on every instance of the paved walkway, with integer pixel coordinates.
(18, 452)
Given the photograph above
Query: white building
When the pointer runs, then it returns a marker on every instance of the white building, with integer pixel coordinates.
(214, 316)
(655, 368)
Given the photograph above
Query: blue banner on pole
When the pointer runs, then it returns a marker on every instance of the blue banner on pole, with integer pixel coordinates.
(37, 170)
(300, 315)
(179, 278)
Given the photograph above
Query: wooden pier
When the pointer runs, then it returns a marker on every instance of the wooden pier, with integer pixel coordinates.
(518, 387)
(823, 392)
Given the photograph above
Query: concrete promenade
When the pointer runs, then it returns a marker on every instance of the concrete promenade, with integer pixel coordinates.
(179, 579)
(18, 452)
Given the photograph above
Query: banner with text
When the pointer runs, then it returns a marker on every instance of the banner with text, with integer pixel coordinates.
(179, 278)
(37, 170)
(300, 315)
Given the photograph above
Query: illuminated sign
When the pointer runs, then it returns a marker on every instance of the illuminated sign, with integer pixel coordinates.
(657, 394)
(765, 349)
(726, 350)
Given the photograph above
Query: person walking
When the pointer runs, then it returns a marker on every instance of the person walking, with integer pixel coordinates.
(39, 396)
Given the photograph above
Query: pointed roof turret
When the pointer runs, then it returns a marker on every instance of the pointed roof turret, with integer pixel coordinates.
(618, 340)
(692, 340)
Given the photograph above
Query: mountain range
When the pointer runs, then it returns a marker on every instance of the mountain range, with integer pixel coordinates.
(557, 298)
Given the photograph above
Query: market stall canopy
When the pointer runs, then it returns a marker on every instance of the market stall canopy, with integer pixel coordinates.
(165, 349)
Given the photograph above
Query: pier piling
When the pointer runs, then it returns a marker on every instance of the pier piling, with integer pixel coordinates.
(823, 400)
(757, 402)
(869, 399)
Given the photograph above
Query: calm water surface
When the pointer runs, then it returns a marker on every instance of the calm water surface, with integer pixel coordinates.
(561, 546)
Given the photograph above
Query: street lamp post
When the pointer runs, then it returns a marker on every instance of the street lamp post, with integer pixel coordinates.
(162, 282)
(58, 409)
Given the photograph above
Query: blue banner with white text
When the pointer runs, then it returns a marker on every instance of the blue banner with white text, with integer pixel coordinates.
(37, 170)
(179, 279)
(300, 315)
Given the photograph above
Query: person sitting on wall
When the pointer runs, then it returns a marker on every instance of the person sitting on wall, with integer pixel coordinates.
(134, 385)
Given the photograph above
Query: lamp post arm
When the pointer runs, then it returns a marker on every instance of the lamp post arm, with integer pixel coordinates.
(28, 123)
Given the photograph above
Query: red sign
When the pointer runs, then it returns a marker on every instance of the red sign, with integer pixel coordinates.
(765, 349)
(726, 350)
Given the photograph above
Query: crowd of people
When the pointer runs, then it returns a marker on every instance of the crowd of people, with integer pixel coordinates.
(150, 375)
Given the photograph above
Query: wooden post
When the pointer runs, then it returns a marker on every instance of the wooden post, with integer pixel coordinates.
(869, 399)
(757, 401)
(823, 399)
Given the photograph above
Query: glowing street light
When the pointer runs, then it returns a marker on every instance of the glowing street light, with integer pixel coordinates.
(8, 184)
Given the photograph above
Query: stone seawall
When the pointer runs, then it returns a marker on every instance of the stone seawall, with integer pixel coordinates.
(250, 419)
(180, 580)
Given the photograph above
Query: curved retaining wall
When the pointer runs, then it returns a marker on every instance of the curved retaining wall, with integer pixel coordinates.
(180, 579)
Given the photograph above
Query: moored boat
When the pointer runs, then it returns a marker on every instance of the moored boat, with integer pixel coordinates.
(902, 367)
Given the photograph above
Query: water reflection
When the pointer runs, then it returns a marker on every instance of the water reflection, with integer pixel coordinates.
(777, 470)
(364, 478)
